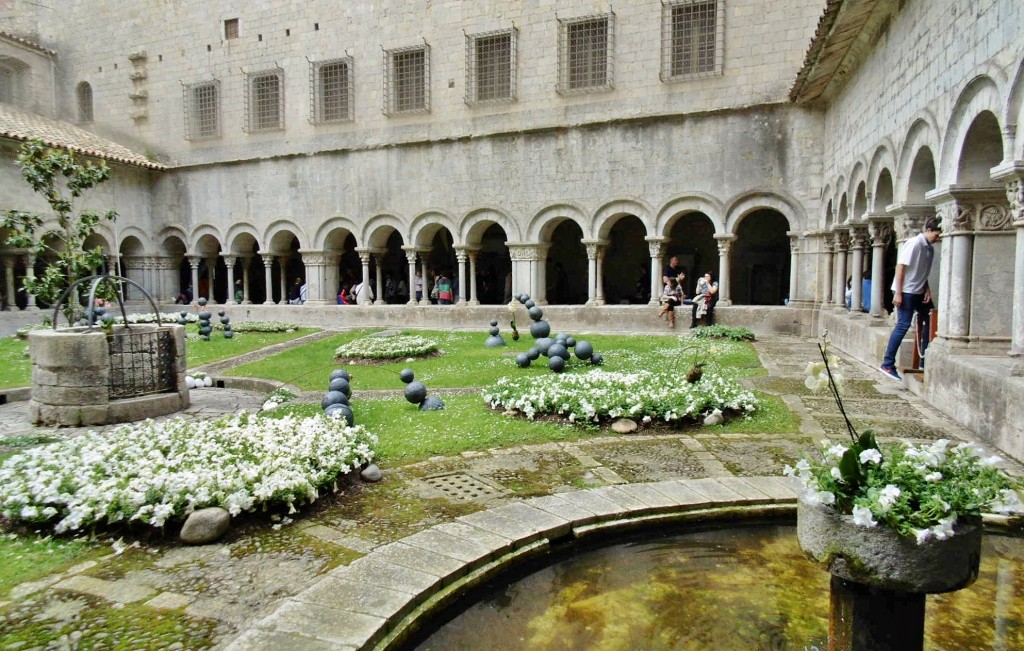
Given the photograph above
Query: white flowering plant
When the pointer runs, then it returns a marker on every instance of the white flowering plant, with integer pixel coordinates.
(393, 347)
(159, 472)
(919, 491)
(600, 394)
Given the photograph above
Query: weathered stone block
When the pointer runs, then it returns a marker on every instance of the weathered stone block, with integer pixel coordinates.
(69, 395)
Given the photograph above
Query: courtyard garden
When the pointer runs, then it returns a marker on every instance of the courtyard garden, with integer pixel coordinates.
(505, 432)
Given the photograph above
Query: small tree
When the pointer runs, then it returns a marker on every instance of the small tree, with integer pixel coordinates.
(61, 180)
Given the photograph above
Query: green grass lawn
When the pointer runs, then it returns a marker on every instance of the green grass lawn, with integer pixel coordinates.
(17, 369)
(29, 557)
(466, 362)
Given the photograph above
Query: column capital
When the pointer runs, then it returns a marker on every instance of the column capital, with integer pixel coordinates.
(659, 239)
(842, 237)
(193, 260)
(1012, 176)
(229, 259)
(524, 250)
(880, 231)
(312, 256)
(268, 259)
(968, 209)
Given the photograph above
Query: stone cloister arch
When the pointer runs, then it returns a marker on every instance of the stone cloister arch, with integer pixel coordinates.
(691, 238)
(761, 259)
(209, 272)
(567, 271)
(485, 257)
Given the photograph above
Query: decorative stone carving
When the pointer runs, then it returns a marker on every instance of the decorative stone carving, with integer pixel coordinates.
(907, 226)
(994, 218)
(842, 241)
(828, 243)
(522, 252)
(794, 246)
(880, 233)
(656, 249)
(313, 257)
(857, 238)
(592, 251)
(1015, 197)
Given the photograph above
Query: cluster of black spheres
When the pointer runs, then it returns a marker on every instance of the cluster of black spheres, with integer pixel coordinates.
(416, 392)
(555, 349)
(339, 393)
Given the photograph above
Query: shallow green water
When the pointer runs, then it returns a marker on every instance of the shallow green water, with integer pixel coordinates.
(726, 589)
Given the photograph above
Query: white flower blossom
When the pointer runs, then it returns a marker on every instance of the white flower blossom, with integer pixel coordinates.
(862, 517)
(871, 455)
(944, 529)
(836, 474)
(922, 535)
(933, 476)
(888, 496)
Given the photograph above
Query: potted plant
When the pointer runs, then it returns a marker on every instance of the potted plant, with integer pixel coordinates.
(903, 517)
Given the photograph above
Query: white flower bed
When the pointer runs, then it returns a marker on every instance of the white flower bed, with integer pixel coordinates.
(386, 347)
(155, 472)
(601, 394)
(256, 326)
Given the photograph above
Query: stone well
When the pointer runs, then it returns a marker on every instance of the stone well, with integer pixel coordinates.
(83, 376)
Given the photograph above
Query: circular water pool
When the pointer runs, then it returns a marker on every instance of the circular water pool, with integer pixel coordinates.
(732, 589)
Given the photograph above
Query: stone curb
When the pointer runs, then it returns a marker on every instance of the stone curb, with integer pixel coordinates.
(377, 601)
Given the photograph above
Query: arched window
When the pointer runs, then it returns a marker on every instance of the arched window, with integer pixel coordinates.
(83, 93)
(13, 81)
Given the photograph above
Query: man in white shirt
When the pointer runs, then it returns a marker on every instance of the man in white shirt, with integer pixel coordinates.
(911, 293)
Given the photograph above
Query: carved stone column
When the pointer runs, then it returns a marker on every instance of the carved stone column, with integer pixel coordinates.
(378, 255)
(428, 281)
(410, 256)
(461, 256)
(794, 267)
(539, 288)
(593, 249)
(472, 253)
(857, 237)
(193, 262)
(1012, 175)
(246, 262)
(30, 274)
(364, 261)
(599, 289)
(828, 243)
(268, 278)
(211, 275)
(725, 269)
(656, 248)
(282, 272)
(880, 231)
(839, 266)
(316, 286)
(229, 262)
(9, 282)
(524, 265)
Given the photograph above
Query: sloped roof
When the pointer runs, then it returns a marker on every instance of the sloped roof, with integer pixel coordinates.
(23, 125)
(837, 45)
(26, 42)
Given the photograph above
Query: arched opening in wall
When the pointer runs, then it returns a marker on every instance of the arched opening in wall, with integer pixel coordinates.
(692, 239)
(922, 176)
(441, 260)
(982, 150)
(83, 97)
(566, 265)
(843, 216)
(884, 196)
(829, 216)
(131, 267)
(860, 202)
(213, 272)
(493, 266)
(992, 272)
(97, 241)
(345, 271)
(245, 250)
(396, 269)
(627, 263)
(53, 242)
(179, 276)
(760, 259)
(282, 248)
(14, 82)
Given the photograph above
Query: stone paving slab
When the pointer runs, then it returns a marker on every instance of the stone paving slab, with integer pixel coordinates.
(121, 591)
(342, 594)
(169, 601)
(418, 558)
(334, 625)
(492, 541)
(777, 488)
(372, 570)
(437, 541)
(625, 501)
(594, 502)
(259, 640)
(716, 491)
(546, 524)
(502, 526)
(749, 493)
(557, 506)
(654, 499)
(681, 493)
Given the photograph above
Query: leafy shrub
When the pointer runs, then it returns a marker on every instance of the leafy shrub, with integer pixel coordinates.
(736, 333)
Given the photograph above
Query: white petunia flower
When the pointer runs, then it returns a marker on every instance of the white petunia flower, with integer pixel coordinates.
(933, 476)
(871, 456)
(862, 517)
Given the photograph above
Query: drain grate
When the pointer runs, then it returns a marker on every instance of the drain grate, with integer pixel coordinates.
(463, 486)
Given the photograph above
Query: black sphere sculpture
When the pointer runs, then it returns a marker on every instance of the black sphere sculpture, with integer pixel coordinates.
(431, 403)
(543, 344)
(556, 364)
(558, 350)
(343, 411)
(584, 349)
(406, 375)
(540, 329)
(333, 397)
(533, 353)
(415, 392)
(494, 323)
(597, 359)
(340, 384)
(523, 360)
(570, 342)
(536, 313)
(340, 373)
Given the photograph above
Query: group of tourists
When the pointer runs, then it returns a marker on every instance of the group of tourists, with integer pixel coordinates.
(673, 295)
